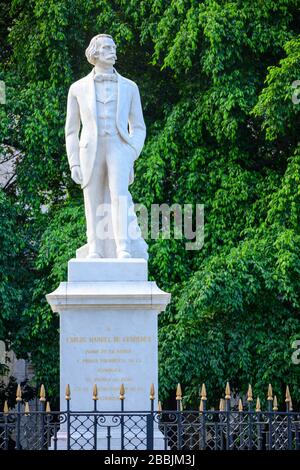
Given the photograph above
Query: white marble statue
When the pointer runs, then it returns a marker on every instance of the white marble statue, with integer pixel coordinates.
(107, 108)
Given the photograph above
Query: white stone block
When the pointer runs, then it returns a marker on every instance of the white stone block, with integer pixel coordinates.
(108, 334)
(109, 269)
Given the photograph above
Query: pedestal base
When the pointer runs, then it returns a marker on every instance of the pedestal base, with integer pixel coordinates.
(108, 333)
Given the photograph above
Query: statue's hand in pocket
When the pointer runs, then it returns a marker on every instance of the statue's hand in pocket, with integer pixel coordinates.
(76, 174)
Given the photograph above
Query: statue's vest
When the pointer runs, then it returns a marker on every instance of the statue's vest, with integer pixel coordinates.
(106, 106)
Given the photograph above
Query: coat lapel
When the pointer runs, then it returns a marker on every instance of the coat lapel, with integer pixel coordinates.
(121, 93)
(91, 94)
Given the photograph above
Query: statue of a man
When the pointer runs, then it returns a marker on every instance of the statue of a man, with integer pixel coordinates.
(107, 108)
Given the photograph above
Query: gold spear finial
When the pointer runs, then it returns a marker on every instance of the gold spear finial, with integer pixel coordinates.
(240, 405)
(5, 408)
(258, 407)
(42, 393)
(178, 392)
(249, 393)
(222, 404)
(122, 392)
(201, 406)
(275, 404)
(270, 392)
(68, 392)
(287, 394)
(203, 395)
(227, 392)
(159, 407)
(48, 409)
(152, 392)
(26, 409)
(19, 393)
(95, 392)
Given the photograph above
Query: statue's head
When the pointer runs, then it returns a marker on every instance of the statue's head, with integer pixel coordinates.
(102, 49)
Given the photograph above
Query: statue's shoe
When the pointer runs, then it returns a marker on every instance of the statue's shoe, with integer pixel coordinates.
(124, 254)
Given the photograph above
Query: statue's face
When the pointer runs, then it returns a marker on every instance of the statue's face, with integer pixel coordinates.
(106, 51)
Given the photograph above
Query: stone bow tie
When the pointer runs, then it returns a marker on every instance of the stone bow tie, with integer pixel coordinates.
(100, 77)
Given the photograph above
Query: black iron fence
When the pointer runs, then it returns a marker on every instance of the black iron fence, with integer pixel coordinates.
(240, 427)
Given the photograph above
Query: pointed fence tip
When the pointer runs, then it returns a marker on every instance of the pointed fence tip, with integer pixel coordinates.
(227, 392)
(203, 394)
(275, 404)
(19, 393)
(95, 392)
(201, 407)
(178, 392)
(250, 393)
(48, 409)
(240, 405)
(42, 393)
(5, 408)
(287, 394)
(270, 393)
(27, 411)
(152, 392)
(68, 392)
(222, 404)
(159, 407)
(122, 392)
(258, 407)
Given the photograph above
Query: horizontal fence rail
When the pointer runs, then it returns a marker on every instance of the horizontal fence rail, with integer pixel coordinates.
(242, 427)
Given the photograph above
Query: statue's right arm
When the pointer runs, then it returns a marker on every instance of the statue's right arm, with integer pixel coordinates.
(72, 128)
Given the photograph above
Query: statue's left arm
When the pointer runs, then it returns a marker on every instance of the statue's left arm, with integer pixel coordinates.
(137, 128)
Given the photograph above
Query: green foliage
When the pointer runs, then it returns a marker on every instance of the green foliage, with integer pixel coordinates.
(13, 272)
(216, 84)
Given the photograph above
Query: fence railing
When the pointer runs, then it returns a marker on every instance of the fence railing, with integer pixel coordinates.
(241, 427)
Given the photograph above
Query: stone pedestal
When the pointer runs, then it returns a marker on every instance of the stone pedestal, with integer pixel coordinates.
(108, 333)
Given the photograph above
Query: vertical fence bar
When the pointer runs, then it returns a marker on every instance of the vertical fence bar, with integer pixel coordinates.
(150, 425)
(275, 411)
(42, 414)
(179, 412)
(228, 416)
(48, 426)
(289, 423)
(165, 428)
(68, 398)
(270, 417)
(241, 427)
(221, 422)
(297, 436)
(95, 399)
(150, 430)
(202, 409)
(258, 418)
(18, 427)
(55, 436)
(122, 398)
(250, 417)
(108, 437)
(6, 414)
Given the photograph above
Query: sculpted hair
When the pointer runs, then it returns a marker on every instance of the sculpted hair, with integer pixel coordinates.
(91, 50)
